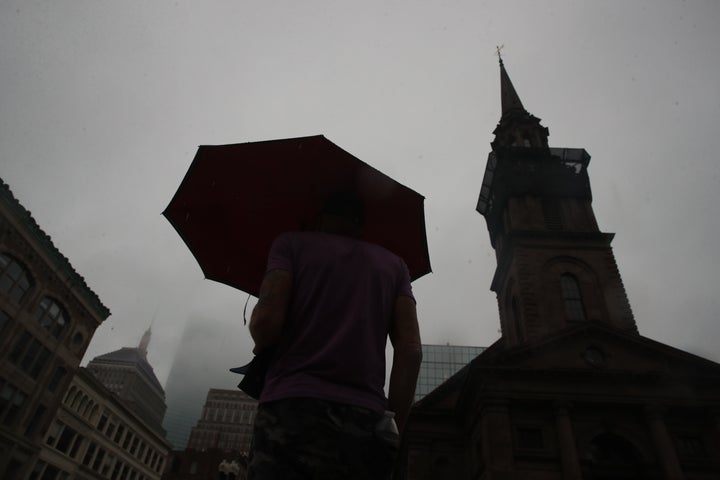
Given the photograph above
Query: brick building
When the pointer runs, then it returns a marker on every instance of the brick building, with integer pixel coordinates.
(48, 314)
(571, 390)
(220, 441)
(226, 423)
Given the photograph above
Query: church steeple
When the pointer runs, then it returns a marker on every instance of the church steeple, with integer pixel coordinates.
(517, 127)
(508, 96)
(555, 268)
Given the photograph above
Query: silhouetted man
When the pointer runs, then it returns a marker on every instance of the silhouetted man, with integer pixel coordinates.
(327, 305)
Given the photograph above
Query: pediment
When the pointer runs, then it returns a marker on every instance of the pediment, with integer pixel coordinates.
(587, 360)
(602, 348)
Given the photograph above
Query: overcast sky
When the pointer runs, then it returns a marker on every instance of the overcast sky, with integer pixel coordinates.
(103, 104)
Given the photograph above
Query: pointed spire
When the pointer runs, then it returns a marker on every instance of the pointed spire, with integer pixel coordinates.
(509, 97)
(517, 127)
(145, 341)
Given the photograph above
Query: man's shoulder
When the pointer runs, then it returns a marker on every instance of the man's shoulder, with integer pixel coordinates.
(322, 240)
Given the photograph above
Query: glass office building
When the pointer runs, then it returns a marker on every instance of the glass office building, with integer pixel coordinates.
(439, 363)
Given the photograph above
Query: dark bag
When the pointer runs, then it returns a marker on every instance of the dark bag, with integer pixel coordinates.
(254, 373)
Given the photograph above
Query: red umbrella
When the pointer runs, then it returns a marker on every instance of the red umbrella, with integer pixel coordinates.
(235, 199)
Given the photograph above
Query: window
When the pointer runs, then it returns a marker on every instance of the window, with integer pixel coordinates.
(89, 454)
(43, 471)
(79, 440)
(118, 434)
(98, 459)
(54, 433)
(29, 354)
(4, 320)
(35, 420)
(51, 316)
(56, 379)
(128, 438)
(102, 422)
(12, 401)
(67, 437)
(14, 279)
(574, 308)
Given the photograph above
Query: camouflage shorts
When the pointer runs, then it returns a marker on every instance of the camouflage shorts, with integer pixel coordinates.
(317, 440)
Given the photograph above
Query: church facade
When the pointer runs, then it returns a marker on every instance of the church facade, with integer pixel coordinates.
(571, 390)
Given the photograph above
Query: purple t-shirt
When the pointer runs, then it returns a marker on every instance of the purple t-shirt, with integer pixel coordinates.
(344, 293)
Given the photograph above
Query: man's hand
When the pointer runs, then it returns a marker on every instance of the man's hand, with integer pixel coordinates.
(405, 338)
(270, 313)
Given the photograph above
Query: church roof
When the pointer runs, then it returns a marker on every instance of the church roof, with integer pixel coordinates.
(132, 357)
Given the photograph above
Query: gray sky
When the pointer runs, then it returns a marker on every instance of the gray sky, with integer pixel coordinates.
(103, 104)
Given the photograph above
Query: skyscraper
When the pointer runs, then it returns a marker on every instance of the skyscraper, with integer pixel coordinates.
(441, 362)
(128, 374)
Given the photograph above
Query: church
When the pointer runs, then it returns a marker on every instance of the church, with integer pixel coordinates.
(571, 390)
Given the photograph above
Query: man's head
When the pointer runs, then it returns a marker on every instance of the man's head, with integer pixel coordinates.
(342, 214)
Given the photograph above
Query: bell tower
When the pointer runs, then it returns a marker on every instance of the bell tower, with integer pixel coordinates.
(555, 268)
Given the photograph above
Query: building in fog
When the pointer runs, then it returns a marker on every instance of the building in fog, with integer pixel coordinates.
(128, 374)
(219, 443)
(96, 434)
(48, 314)
(226, 423)
(571, 390)
(441, 362)
(207, 350)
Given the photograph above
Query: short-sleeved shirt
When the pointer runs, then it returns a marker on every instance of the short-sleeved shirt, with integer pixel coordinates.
(344, 293)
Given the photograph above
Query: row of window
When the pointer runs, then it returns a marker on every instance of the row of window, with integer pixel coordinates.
(81, 403)
(236, 405)
(225, 441)
(12, 402)
(230, 416)
(43, 471)
(123, 436)
(68, 441)
(32, 357)
(108, 466)
(15, 283)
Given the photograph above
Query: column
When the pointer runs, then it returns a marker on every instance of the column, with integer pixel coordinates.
(664, 448)
(566, 442)
(497, 445)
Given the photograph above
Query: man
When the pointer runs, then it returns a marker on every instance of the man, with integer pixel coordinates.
(327, 305)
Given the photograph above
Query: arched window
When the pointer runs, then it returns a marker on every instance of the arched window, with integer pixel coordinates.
(574, 308)
(51, 316)
(14, 278)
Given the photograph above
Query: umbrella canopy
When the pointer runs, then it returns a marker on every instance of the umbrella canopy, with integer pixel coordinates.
(235, 199)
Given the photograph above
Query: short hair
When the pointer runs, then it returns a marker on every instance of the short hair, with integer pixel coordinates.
(345, 205)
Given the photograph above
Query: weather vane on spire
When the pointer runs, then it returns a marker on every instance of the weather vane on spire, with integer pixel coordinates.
(499, 54)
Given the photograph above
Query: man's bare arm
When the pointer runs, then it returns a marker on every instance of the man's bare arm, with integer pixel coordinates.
(269, 315)
(407, 348)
